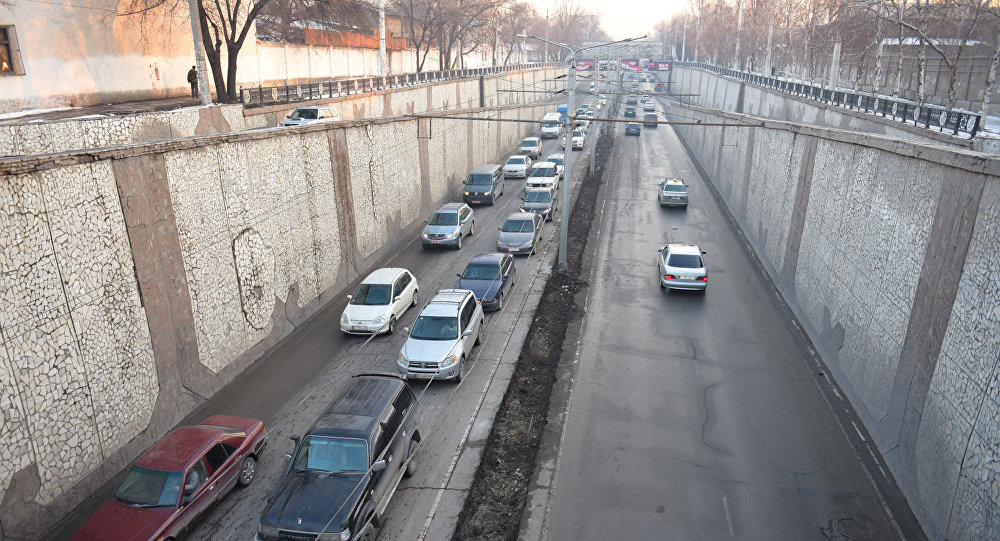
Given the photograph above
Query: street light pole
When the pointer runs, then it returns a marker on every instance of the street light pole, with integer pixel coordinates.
(199, 57)
(567, 146)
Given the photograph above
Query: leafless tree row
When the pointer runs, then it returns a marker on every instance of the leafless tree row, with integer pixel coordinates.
(884, 40)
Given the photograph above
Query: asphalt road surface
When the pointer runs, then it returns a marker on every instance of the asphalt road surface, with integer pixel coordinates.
(693, 416)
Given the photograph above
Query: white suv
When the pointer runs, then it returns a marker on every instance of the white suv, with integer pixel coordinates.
(543, 175)
(379, 302)
(442, 337)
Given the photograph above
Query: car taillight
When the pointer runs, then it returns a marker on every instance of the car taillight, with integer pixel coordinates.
(702, 278)
(668, 277)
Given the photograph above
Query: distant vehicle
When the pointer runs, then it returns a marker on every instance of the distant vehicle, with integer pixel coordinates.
(560, 160)
(630, 111)
(650, 120)
(551, 125)
(448, 225)
(442, 337)
(310, 115)
(649, 106)
(379, 301)
(520, 233)
(602, 99)
(172, 484)
(540, 201)
(543, 175)
(592, 86)
(344, 472)
(484, 184)
(517, 166)
(672, 192)
(632, 99)
(582, 125)
(489, 277)
(658, 86)
(531, 146)
(682, 267)
(563, 109)
(632, 128)
(576, 140)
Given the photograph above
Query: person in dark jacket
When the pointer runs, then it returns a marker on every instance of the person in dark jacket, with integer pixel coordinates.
(193, 79)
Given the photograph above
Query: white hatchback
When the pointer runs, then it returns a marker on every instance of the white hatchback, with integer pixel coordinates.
(380, 300)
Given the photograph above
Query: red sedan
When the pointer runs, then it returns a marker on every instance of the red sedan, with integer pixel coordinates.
(176, 481)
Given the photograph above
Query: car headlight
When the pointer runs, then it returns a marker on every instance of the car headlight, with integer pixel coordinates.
(424, 235)
(402, 360)
(486, 194)
(452, 235)
(379, 320)
(467, 193)
(267, 532)
(344, 320)
(342, 536)
(528, 243)
(448, 361)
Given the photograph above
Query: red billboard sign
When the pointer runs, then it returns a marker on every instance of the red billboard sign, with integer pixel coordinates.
(584, 65)
(631, 65)
(661, 65)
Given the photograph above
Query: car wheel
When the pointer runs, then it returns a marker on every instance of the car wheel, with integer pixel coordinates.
(415, 299)
(500, 301)
(411, 466)
(248, 470)
(458, 245)
(367, 532)
(392, 324)
(479, 335)
(461, 368)
(472, 228)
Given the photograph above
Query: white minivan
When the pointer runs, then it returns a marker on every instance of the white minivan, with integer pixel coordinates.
(552, 125)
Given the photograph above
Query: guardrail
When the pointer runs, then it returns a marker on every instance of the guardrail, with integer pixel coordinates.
(928, 116)
(333, 88)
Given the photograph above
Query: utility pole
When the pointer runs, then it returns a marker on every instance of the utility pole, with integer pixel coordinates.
(597, 88)
(739, 24)
(684, 37)
(383, 64)
(199, 54)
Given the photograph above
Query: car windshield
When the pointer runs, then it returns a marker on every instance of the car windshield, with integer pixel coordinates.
(443, 218)
(538, 197)
(543, 171)
(528, 144)
(518, 226)
(515, 160)
(303, 114)
(481, 272)
(479, 180)
(577, 133)
(550, 125)
(685, 261)
(371, 294)
(435, 328)
(553, 159)
(143, 487)
(333, 455)
(674, 188)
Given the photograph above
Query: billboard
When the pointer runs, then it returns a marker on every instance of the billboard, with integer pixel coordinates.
(584, 65)
(661, 65)
(631, 65)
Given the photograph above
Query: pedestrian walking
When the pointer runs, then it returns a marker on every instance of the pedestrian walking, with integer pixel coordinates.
(193, 79)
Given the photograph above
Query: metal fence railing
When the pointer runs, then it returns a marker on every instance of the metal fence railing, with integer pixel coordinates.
(927, 116)
(333, 88)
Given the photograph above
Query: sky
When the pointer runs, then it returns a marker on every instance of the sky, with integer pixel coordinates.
(625, 18)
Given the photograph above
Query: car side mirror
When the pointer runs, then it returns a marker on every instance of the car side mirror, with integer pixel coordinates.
(703, 252)
(427, 220)
(295, 438)
(396, 299)
(378, 466)
(468, 332)
(349, 297)
(458, 274)
(406, 330)
(499, 229)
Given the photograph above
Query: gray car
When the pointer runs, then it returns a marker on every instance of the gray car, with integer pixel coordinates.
(672, 192)
(682, 266)
(540, 201)
(442, 337)
(448, 226)
(520, 233)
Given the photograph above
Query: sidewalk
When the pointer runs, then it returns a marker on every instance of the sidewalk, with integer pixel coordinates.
(96, 111)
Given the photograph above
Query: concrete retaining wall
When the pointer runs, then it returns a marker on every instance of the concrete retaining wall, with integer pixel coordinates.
(136, 281)
(889, 253)
(708, 89)
(68, 135)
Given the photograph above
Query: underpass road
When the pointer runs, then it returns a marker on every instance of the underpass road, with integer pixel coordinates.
(691, 416)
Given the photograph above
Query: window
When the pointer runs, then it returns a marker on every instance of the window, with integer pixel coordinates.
(216, 456)
(195, 478)
(10, 58)
(467, 311)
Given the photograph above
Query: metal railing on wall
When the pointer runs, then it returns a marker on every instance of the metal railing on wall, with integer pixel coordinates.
(333, 88)
(926, 116)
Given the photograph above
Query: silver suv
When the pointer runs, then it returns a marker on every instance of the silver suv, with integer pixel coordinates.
(448, 226)
(673, 193)
(442, 337)
(682, 267)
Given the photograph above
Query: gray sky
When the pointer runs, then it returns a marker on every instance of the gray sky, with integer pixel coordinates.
(625, 18)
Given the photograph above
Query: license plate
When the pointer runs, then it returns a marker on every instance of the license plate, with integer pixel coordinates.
(687, 277)
(435, 242)
(474, 201)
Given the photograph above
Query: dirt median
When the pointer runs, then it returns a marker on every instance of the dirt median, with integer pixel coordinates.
(499, 492)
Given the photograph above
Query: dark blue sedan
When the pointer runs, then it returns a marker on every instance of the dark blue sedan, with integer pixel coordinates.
(632, 128)
(489, 276)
